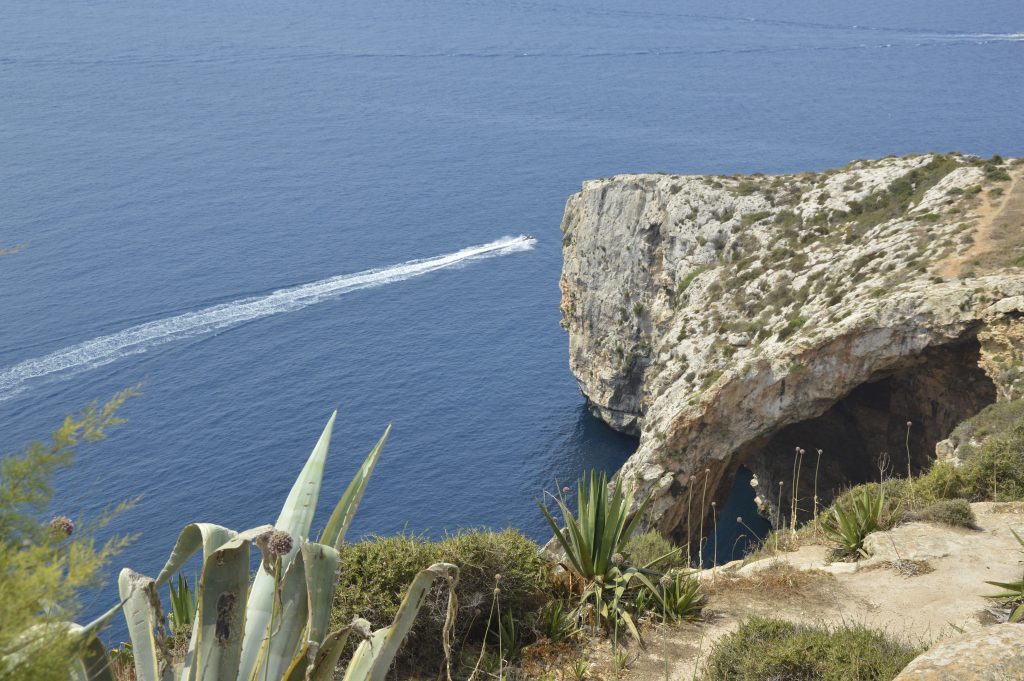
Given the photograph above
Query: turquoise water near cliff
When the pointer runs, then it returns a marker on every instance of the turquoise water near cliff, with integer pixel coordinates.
(164, 161)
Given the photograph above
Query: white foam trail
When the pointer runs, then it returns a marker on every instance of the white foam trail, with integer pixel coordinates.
(133, 340)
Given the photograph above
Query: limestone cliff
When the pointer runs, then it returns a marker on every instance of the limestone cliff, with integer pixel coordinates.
(729, 320)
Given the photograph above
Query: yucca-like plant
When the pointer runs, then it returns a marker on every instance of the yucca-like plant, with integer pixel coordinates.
(276, 627)
(848, 526)
(681, 596)
(183, 606)
(601, 527)
(594, 540)
(1013, 593)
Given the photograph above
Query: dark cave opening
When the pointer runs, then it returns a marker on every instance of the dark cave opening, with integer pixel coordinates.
(861, 434)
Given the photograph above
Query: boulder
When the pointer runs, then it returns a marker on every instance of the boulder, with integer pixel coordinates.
(991, 654)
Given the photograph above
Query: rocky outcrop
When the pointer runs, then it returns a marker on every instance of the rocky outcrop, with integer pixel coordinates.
(993, 654)
(729, 320)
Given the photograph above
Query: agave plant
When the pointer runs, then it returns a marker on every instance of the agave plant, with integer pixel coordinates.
(593, 541)
(681, 596)
(183, 606)
(601, 528)
(848, 526)
(1013, 593)
(275, 628)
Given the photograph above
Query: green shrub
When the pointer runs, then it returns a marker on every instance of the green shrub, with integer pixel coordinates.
(375, 574)
(45, 565)
(994, 472)
(653, 550)
(994, 419)
(953, 512)
(847, 523)
(764, 648)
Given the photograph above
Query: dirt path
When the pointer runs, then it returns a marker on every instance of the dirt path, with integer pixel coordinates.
(946, 596)
(999, 230)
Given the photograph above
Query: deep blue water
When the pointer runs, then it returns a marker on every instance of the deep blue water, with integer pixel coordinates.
(162, 158)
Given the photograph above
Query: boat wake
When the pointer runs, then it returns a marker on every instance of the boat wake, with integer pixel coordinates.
(138, 339)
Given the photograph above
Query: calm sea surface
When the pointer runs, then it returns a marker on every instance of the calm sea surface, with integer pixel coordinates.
(178, 169)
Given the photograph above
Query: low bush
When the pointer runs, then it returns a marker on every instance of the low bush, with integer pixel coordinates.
(764, 648)
(645, 550)
(375, 574)
(953, 512)
(992, 472)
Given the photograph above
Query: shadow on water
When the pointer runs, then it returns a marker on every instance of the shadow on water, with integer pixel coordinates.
(734, 537)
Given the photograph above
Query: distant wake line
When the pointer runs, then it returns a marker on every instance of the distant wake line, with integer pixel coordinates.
(140, 338)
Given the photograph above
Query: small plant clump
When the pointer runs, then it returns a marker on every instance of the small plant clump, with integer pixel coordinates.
(952, 512)
(764, 648)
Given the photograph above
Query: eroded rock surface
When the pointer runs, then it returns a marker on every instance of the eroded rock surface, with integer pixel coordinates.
(728, 320)
(993, 654)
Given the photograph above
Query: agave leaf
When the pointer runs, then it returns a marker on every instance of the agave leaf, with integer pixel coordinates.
(374, 656)
(567, 546)
(91, 663)
(140, 598)
(290, 615)
(206, 535)
(327, 657)
(1013, 589)
(220, 620)
(341, 518)
(322, 565)
(296, 518)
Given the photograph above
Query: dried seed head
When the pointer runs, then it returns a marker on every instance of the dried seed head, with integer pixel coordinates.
(707, 471)
(714, 504)
(739, 519)
(62, 525)
(497, 578)
(566, 490)
(665, 581)
(909, 423)
(753, 481)
(280, 543)
(497, 591)
(617, 559)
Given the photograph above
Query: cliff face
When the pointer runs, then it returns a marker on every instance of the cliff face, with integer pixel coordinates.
(729, 320)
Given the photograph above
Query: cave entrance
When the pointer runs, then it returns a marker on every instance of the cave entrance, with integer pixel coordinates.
(868, 429)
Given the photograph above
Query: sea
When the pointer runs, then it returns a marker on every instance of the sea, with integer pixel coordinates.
(265, 211)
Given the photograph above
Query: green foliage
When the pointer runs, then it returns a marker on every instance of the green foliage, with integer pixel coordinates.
(651, 550)
(751, 218)
(685, 282)
(43, 565)
(554, 621)
(601, 526)
(1013, 592)
(375, 572)
(681, 596)
(953, 512)
(994, 173)
(746, 188)
(995, 419)
(274, 625)
(764, 648)
(183, 606)
(994, 472)
(848, 523)
(894, 201)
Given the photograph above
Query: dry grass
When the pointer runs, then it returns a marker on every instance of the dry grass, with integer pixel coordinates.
(778, 578)
(908, 568)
